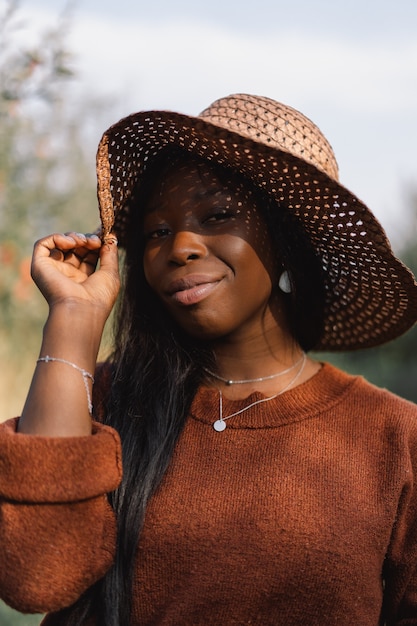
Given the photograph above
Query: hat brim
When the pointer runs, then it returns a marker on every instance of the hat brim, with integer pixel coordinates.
(371, 297)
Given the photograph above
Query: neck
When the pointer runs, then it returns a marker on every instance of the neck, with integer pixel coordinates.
(254, 358)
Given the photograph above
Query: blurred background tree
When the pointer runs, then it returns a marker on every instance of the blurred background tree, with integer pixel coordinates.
(47, 181)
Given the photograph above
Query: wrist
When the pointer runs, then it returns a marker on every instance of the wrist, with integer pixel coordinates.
(73, 333)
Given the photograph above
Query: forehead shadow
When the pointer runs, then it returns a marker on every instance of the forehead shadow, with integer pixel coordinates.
(173, 170)
(191, 186)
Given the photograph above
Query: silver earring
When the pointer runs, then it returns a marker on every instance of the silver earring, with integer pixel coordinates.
(284, 282)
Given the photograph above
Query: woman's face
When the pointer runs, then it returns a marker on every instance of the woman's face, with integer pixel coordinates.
(207, 253)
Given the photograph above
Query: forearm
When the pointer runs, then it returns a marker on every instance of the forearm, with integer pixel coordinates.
(57, 537)
(80, 300)
(57, 402)
(45, 571)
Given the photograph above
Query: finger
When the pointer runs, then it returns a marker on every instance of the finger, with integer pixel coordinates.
(83, 259)
(57, 255)
(93, 241)
(57, 241)
(110, 238)
(79, 237)
(89, 241)
(81, 255)
(86, 252)
(60, 246)
(109, 258)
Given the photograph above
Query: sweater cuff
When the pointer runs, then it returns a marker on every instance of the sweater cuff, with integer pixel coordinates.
(37, 469)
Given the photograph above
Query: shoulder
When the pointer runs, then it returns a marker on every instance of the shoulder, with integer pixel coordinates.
(357, 386)
(374, 403)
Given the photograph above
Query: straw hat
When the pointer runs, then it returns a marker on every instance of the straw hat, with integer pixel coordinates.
(371, 297)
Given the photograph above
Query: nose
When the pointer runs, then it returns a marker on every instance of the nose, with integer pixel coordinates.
(186, 246)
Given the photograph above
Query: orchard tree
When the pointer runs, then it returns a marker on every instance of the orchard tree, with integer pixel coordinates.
(47, 182)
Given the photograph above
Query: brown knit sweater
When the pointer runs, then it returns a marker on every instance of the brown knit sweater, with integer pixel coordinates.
(302, 512)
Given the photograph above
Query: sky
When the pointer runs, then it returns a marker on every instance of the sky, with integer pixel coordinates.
(351, 66)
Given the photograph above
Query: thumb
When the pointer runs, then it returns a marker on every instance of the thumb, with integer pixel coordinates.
(109, 258)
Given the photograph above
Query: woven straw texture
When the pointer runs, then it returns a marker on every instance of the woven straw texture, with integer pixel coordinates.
(371, 297)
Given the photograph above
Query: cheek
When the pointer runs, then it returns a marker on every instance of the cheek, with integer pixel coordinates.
(263, 248)
(255, 264)
(150, 261)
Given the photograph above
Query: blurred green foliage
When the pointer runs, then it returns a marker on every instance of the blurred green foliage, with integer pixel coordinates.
(9, 617)
(47, 184)
(46, 181)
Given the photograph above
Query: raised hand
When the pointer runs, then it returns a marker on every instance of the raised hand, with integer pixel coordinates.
(64, 269)
(80, 299)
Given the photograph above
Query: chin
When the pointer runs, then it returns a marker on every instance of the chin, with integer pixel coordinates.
(201, 331)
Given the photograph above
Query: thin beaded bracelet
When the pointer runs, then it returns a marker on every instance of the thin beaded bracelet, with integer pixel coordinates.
(86, 375)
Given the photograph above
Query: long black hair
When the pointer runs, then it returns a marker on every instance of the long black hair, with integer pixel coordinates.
(156, 369)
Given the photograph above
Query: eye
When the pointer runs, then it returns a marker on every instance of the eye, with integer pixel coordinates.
(219, 216)
(157, 233)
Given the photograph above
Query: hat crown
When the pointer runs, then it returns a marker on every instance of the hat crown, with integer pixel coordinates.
(276, 125)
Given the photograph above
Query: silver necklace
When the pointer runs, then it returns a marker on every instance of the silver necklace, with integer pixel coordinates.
(220, 424)
(229, 381)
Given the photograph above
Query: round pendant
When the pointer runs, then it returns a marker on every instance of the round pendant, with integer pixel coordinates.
(219, 425)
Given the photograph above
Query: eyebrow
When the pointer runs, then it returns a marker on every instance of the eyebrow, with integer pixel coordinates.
(198, 195)
(210, 192)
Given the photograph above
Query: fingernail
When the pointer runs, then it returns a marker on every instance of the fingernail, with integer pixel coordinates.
(111, 240)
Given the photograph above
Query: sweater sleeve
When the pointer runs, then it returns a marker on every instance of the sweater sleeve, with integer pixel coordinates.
(400, 575)
(57, 530)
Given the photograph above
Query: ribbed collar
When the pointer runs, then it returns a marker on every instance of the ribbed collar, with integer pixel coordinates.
(322, 391)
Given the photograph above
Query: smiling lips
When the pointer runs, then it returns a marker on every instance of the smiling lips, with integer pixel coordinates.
(192, 289)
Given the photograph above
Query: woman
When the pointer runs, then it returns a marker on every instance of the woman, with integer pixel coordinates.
(259, 485)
